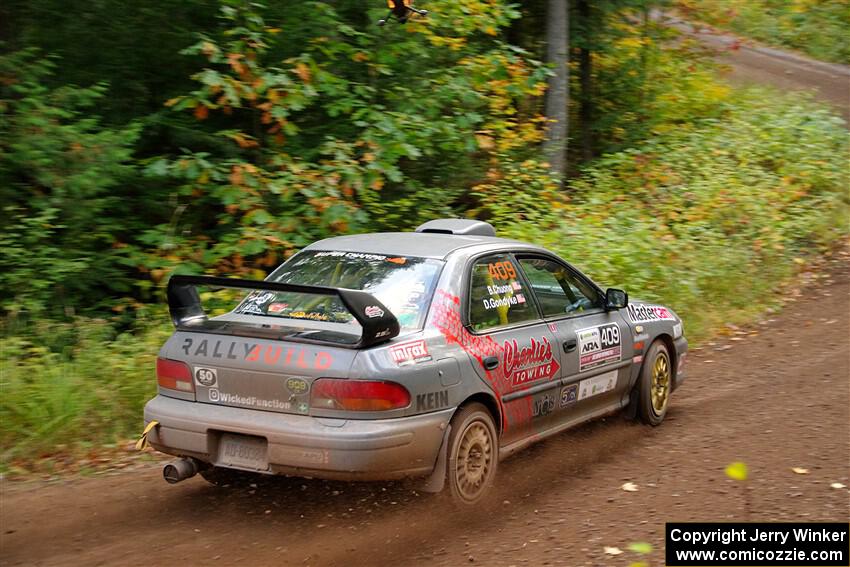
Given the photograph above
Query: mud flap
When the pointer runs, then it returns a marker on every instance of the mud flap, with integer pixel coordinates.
(437, 480)
(142, 443)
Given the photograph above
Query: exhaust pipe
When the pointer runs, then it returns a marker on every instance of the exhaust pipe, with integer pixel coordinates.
(180, 469)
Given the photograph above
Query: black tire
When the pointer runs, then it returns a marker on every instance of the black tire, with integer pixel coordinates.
(224, 478)
(655, 384)
(473, 454)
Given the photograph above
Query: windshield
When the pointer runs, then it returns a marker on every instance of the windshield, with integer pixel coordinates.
(404, 284)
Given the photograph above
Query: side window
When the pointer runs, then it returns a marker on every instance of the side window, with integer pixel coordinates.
(498, 297)
(557, 290)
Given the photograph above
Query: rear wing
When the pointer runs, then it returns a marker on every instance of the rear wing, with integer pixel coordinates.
(378, 322)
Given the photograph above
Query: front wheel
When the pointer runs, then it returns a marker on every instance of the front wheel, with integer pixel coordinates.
(656, 380)
(473, 454)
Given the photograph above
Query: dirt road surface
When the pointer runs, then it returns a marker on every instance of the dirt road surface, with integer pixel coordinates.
(776, 397)
(752, 64)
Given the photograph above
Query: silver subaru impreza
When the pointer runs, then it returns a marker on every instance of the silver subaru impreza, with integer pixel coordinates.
(432, 354)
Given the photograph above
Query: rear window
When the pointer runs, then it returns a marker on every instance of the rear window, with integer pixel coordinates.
(404, 284)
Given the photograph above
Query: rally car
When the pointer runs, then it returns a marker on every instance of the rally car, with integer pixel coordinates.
(435, 354)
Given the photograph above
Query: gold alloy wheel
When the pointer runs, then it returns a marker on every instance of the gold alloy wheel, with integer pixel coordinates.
(660, 386)
(474, 460)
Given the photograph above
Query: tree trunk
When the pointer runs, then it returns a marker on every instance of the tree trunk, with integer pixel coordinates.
(586, 81)
(557, 96)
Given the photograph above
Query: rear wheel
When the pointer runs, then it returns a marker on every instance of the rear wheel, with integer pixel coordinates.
(656, 381)
(473, 454)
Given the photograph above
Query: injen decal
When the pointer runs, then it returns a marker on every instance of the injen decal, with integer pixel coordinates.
(640, 313)
(599, 346)
(543, 405)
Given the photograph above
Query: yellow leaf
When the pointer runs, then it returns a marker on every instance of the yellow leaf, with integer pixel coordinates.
(737, 471)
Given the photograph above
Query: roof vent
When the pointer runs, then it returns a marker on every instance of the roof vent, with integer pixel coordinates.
(464, 227)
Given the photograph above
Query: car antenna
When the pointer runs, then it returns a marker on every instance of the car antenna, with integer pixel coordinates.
(401, 11)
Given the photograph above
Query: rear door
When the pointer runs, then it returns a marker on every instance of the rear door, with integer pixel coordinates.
(526, 368)
(593, 343)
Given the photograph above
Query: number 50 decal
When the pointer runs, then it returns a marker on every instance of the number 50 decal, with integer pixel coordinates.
(502, 271)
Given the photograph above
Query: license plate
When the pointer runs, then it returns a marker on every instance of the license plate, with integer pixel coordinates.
(243, 451)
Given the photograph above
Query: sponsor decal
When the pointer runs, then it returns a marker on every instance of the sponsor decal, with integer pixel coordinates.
(278, 307)
(432, 400)
(297, 386)
(220, 397)
(253, 303)
(677, 330)
(270, 354)
(641, 313)
(553, 327)
(599, 345)
(542, 406)
(529, 363)
(410, 353)
(382, 333)
(352, 255)
(373, 311)
(206, 376)
(597, 385)
(569, 395)
(400, 261)
(520, 298)
(502, 271)
(312, 316)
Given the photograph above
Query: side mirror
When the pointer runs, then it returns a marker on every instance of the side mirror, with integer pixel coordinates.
(615, 299)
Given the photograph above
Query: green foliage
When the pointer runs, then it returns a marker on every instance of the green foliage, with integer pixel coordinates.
(91, 392)
(337, 137)
(708, 218)
(816, 27)
(62, 183)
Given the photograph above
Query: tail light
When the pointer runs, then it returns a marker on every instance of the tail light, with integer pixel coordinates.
(358, 395)
(174, 375)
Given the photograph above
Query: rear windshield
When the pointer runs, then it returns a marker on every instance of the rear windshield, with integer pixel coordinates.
(404, 284)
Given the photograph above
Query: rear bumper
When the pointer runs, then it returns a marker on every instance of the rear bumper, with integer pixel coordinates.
(301, 445)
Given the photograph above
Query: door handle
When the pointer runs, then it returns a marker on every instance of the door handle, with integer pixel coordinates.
(491, 363)
(570, 345)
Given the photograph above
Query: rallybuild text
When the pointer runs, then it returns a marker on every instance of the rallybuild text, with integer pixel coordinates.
(743, 544)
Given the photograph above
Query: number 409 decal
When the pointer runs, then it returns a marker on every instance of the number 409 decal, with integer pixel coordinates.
(502, 271)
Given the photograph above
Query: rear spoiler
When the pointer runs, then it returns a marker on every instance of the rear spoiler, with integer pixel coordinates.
(378, 322)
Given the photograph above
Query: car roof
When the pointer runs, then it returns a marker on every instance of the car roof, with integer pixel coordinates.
(419, 244)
